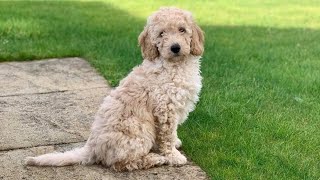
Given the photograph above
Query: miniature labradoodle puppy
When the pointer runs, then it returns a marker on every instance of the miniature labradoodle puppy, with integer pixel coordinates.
(136, 125)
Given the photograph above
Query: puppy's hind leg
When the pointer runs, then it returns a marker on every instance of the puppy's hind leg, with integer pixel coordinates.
(148, 161)
(152, 160)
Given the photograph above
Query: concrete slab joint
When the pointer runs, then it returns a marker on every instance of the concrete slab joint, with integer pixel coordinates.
(48, 106)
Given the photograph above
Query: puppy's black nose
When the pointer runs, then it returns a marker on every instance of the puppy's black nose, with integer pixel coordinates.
(175, 48)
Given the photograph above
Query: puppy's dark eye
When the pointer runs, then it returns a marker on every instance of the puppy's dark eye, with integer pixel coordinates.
(161, 33)
(181, 29)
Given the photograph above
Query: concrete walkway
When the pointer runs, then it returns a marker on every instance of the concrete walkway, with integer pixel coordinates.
(48, 106)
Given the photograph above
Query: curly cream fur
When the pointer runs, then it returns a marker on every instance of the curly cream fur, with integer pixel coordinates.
(136, 125)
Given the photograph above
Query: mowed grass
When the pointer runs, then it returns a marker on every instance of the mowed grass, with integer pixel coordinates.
(259, 112)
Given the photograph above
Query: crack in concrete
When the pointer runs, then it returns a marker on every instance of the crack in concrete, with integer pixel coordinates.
(56, 125)
(41, 145)
(51, 92)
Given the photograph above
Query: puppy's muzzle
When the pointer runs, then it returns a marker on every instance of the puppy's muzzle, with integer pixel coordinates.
(175, 48)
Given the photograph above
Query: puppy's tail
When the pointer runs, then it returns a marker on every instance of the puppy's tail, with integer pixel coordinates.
(75, 156)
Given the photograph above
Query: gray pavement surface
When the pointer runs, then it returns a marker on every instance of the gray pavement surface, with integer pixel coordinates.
(48, 106)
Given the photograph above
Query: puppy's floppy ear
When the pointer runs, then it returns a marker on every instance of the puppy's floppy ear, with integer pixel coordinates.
(197, 40)
(149, 51)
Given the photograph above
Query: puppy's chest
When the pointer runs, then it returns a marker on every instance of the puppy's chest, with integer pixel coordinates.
(183, 86)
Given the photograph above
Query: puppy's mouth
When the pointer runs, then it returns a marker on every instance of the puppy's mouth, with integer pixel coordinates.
(176, 54)
(177, 57)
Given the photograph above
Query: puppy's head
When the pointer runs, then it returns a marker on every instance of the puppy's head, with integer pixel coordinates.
(172, 34)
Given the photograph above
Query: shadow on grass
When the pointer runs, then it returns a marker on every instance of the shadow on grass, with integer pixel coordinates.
(255, 80)
(259, 84)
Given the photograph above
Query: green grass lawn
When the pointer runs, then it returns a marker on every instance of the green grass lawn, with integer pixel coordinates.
(259, 112)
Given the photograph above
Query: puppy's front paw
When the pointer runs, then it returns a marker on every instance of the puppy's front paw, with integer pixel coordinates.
(178, 143)
(176, 158)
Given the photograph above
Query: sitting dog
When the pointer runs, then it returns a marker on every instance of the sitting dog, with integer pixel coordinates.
(136, 125)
